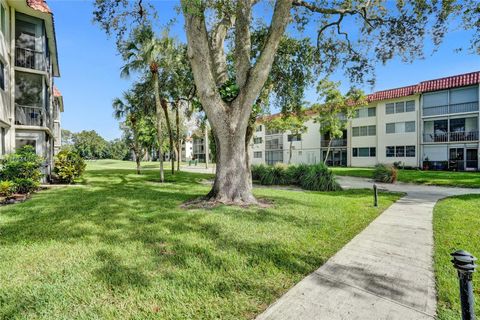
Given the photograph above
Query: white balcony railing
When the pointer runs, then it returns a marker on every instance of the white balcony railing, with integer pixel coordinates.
(31, 59)
(451, 136)
(30, 116)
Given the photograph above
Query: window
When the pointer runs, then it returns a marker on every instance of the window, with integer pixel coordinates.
(390, 152)
(2, 76)
(410, 106)
(410, 151)
(257, 140)
(400, 127)
(272, 157)
(257, 154)
(355, 131)
(364, 152)
(390, 128)
(410, 126)
(364, 131)
(366, 112)
(272, 131)
(464, 95)
(258, 128)
(399, 107)
(400, 151)
(294, 137)
(390, 108)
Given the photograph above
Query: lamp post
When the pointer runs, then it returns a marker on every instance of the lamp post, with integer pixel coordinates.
(464, 262)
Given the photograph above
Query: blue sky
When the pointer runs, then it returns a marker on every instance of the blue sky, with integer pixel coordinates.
(90, 66)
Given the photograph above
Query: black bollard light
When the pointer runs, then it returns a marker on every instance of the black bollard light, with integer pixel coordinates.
(464, 262)
(375, 195)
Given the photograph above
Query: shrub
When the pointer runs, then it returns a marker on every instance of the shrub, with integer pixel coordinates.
(275, 175)
(297, 173)
(385, 173)
(319, 178)
(258, 171)
(23, 169)
(23, 164)
(7, 188)
(25, 186)
(68, 166)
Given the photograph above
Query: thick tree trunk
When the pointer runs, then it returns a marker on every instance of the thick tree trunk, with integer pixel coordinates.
(232, 181)
(177, 123)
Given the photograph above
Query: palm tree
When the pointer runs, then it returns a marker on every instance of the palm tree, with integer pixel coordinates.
(144, 53)
(128, 109)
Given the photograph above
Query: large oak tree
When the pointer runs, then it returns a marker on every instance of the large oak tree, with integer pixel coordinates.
(353, 35)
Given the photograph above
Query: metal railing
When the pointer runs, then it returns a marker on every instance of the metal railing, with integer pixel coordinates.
(453, 165)
(451, 108)
(30, 116)
(31, 59)
(335, 143)
(451, 136)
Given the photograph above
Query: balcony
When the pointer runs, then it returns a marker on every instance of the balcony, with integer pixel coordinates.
(30, 116)
(335, 143)
(451, 109)
(451, 136)
(30, 59)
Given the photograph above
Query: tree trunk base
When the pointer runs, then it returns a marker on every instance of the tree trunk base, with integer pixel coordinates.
(211, 202)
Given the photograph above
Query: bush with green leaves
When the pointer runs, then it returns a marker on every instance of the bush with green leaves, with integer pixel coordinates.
(68, 166)
(275, 175)
(310, 177)
(258, 171)
(385, 173)
(23, 169)
(319, 178)
(297, 173)
(7, 188)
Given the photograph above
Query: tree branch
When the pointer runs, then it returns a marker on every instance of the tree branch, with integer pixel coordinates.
(243, 45)
(260, 71)
(200, 56)
(217, 44)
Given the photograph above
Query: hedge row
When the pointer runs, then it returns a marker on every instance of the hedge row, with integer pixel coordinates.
(310, 177)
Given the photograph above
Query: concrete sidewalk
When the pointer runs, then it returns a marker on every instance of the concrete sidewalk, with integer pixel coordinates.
(385, 272)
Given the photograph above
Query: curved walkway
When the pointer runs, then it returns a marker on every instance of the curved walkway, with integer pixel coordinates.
(385, 272)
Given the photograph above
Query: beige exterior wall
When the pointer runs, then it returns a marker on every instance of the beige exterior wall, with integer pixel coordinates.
(398, 139)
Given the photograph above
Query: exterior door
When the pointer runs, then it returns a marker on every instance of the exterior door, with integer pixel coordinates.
(472, 159)
(457, 159)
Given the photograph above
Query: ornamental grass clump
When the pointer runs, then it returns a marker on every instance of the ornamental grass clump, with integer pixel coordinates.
(258, 171)
(275, 175)
(385, 173)
(315, 177)
(319, 178)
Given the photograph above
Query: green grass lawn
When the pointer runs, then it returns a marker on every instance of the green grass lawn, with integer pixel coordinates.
(456, 226)
(441, 178)
(118, 246)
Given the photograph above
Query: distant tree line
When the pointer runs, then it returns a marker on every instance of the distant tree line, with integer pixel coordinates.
(90, 145)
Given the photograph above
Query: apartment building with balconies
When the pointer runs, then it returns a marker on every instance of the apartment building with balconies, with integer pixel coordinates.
(432, 125)
(30, 104)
